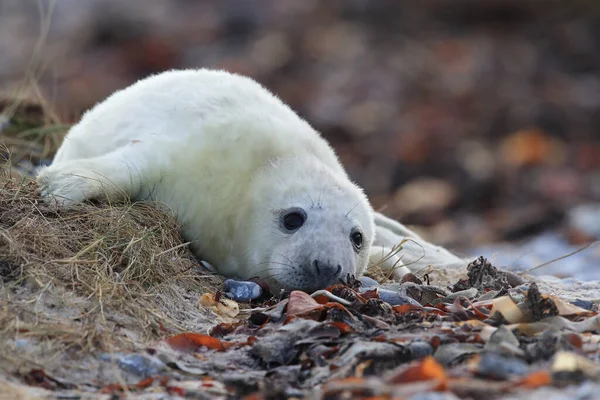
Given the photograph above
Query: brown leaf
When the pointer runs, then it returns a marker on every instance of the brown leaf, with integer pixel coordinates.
(343, 327)
(224, 329)
(536, 380)
(424, 370)
(406, 308)
(301, 303)
(144, 383)
(111, 388)
(370, 294)
(37, 377)
(321, 299)
(192, 342)
(175, 390)
(410, 277)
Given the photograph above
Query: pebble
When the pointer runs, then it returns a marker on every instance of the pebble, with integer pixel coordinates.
(137, 364)
(368, 282)
(241, 290)
(450, 353)
(500, 367)
(488, 295)
(208, 266)
(390, 296)
(20, 343)
(420, 349)
(395, 298)
(469, 294)
(587, 305)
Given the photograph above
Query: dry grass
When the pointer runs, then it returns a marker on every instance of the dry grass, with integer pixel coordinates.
(96, 277)
(35, 130)
(30, 133)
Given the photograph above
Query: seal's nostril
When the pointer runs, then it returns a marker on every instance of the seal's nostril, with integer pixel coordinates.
(326, 270)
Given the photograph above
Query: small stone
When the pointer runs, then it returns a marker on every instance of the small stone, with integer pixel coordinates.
(420, 349)
(496, 366)
(587, 305)
(241, 290)
(468, 293)
(137, 364)
(368, 282)
(20, 343)
(395, 298)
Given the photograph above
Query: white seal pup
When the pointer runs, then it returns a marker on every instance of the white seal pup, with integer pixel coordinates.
(257, 191)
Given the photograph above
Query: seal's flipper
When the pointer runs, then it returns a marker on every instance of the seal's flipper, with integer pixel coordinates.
(112, 177)
(393, 227)
(416, 253)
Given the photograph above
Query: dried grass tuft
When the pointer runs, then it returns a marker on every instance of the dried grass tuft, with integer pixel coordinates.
(96, 277)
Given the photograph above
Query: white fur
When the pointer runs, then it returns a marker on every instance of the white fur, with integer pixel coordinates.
(226, 156)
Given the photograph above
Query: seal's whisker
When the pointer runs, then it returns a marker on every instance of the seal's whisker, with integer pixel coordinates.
(259, 274)
(356, 205)
(252, 270)
(287, 258)
(267, 278)
(312, 202)
(356, 214)
(273, 278)
(321, 193)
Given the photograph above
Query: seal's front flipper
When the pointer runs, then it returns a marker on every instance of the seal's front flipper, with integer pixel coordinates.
(392, 227)
(109, 177)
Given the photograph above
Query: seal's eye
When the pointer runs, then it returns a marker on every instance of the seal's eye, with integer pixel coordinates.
(357, 239)
(293, 219)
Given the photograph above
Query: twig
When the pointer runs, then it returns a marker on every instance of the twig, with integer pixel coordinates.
(563, 257)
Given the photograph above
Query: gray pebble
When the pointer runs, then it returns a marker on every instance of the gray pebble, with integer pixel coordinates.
(420, 349)
(395, 298)
(241, 290)
(469, 294)
(500, 367)
(137, 364)
(368, 282)
(19, 343)
(488, 295)
(587, 305)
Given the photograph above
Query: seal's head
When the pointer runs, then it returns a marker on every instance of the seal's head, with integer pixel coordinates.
(318, 226)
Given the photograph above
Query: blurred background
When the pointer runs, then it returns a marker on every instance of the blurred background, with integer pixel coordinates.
(475, 120)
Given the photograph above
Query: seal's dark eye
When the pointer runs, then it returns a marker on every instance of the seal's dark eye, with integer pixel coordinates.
(357, 239)
(294, 219)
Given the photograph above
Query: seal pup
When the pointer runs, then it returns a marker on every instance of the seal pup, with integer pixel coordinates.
(256, 190)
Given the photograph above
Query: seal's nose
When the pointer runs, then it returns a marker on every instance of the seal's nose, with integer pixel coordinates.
(327, 270)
